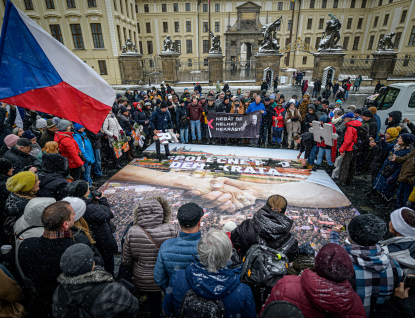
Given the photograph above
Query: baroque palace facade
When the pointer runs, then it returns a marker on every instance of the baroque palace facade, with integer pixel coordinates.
(96, 30)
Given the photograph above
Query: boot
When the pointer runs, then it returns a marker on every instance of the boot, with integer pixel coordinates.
(158, 157)
(316, 166)
(289, 145)
(329, 170)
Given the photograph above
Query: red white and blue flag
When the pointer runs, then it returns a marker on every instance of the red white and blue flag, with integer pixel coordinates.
(38, 72)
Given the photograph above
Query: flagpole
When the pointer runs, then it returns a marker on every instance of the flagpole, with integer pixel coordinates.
(4, 27)
(291, 33)
(209, 24)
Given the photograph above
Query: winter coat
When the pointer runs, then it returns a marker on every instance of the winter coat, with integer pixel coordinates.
(372, 127)
(139, 252)
(21, 161)
(175, 254)
(112, 302)
(180, 112)
(309, 118)
(4, 193)
(225, 285)
(69, 148)
(303, 106)
(140, 117)
(267, 118)
(241, 110)
(326, 94)
(318, 297)
(340, 130)
(95, 139)
(397, 119)
(111, 127)
(10, 292)
(160, 120)
(6, 125)
(300, 264)
(278, 117)
(305, 86)
(97, 215)
(52, 185)
(407, 173)
(126, 124)
(397, 308)
(307, 143)
(335, 88)
(293, 121)
(85, 146)
(267, 227)
(29, 119)
(15, 204)
(195, 112)
(46, 136)
(402, 250)
(379, 154)
(350, 137)
(172, 110)
(79, 236)
(264, 86)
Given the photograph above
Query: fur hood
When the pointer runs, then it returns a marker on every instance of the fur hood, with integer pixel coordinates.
(98, 275)
(152, 212)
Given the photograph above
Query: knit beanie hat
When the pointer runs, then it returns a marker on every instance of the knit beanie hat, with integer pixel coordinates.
(78, 259)
(338, 102)
(367, 113)
(324, 119)
(408, 139)
(77, 188)
(373, 110)
(78, 206)
(21, 182)
(77, 126)
(229, 226)
(281, 309)
(63, 124)
(334, 263)
(11, 140)
(366, 230)
(5, 166)
(403, 221)
(393, 132)
(29, 135)
(41, 123)
(55, 120)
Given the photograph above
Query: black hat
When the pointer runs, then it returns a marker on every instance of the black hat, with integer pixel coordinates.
(78, 259)
(163, 105)
(358, 111)
(189, 214)
(325, 101)
(282, 96)
(366, 229)
(55, 163)
(77, 188)
(367, 113)
(264, 91)
(225, 97)
(281, 309)
(123, 109)
(24, 142)
(294, 96)
(267, 99)
(319, 98)
(5, 165)
(181, 101)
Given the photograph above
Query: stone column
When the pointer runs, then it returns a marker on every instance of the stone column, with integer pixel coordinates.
(169, 62)
(215, 68)
(266, 60)
(383, 65)
(326, 58)
(131, 68)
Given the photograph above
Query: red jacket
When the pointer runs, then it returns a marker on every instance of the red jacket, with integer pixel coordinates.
(316, 296)
(350, 137)
(68, 148)
(280, 116)
(195, 112)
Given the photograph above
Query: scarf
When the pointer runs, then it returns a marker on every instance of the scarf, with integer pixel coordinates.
(336, 120)
(57, 234)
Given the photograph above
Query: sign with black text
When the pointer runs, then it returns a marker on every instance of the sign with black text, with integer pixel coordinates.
(224, 125)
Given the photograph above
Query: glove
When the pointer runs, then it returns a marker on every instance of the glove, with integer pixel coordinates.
(121, 133)
(391, 180)
(115, 138)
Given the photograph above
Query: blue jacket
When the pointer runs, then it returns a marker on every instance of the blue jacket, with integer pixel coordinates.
(85, 146)
(160, 120)
(254, 107)
(175, 254)
(379, 122)
(225, 285)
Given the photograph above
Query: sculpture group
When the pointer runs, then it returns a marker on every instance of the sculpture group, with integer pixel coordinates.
(331, 35)
(270, 44)
(168, 46)
(215, 49)
(129, 47)
(386, 43)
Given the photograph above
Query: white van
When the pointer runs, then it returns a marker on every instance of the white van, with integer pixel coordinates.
(398, 96)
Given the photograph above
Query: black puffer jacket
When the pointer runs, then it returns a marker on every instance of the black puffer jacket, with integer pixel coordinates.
(372, 127)
(140, 117)
(95, 139)
(22, 161)
(79, 236)
(308, 119)
(4, 193)
(52, 179)
(397, 119)
(15, 205)
(267, 227)
(29, 119)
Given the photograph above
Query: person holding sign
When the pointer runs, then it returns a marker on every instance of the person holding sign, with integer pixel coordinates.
(160, 120)
(257, 105)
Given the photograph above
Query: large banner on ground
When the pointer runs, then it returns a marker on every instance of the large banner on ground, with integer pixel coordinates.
(231, 185)
(223, 125)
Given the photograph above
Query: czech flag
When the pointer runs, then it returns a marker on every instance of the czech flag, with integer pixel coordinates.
(38, 72)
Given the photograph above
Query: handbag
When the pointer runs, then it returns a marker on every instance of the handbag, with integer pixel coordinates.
(149, 236)
(387, 171)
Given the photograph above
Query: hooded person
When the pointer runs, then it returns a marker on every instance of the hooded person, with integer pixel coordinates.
(305, 259)
(324, 290)
(281, 309)
(310, 117)
(20, 156)
(375, 275)
(87, 150)
(80, 278)
(394, 119)
(151, 228)
(53, 178)
(211, 279)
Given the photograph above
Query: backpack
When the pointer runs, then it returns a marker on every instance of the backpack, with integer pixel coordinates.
(362, 141)
(194, 305)
(184, 121)
(74, 310)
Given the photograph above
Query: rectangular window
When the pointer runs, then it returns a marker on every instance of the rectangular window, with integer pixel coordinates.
(356, 43)
(359, 23)
(309, 24)
(304, 60)
(115, 5)
(176, 26)
(146, 8)
(345, 42)
(70, 4)
(188, 26)
(353, 4)
(148, 27)
(138, 28)
(217, 7)
(122, 8)
(92, 3)
(50, 4)
(380, 3)
(178, 45)
(205, 62)
(363, 4)
(189, 46)
(403, 16)
(321, 24)
(131, 10)
(175, 7)
(189, 62)
(205, 7)
(163, 7)
(375, 23)
(136, 8)
(126, 8)
(140, 46)
(307, 40)
(292, 3)
(119, 37)
(412, 37)
(312, 2)
(217, 26)
(205, 26)
(187, 6)
(102, 67)
(165, 27)
(55, 30)
(205, 46)
(233, 43)
(335, 4)
(290, 25)
(279, 6)
(371, 40)
(78, 41)
(318, 39)
(349, 23)
(150, 47)
(324, 4)
(385, 21)
(124, 30)
(397, 40)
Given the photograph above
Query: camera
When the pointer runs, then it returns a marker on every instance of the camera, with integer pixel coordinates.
(96, 194)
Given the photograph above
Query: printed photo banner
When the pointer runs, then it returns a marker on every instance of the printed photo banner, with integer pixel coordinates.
(223, 125)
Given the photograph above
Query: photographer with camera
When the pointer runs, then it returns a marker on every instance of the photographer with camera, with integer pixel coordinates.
(98, 215)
